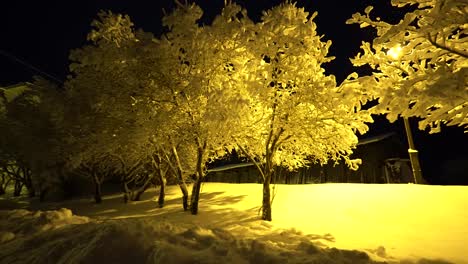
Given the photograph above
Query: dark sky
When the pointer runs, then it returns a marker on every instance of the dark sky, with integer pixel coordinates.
(41, 34)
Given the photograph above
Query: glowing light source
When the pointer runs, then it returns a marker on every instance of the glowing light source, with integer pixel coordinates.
(394, 52)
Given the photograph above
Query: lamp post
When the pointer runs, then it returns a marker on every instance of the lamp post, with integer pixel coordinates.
(395, 53)
(413, 154)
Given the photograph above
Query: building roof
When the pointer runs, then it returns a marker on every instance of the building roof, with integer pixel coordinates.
(9, 93)
(231, 166)
(363, 141)
(374, 139)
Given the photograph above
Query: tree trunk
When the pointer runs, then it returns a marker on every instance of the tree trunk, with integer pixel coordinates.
(28, 183)
(184, 190)
(18, 188)
(31, 191)
(42, 194)
(266, 201)
(180, 179)
(142, 189)
(162, 190)
(3, 184)
(157, 165)
(137, 195)
(126, 191)
(97, 189)
(197, 185)
(267, 174)
(195, 195)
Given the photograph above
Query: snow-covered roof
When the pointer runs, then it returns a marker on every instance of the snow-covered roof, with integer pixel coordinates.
(363, 141)
(374, 139)
(231, 166)
(13, 91)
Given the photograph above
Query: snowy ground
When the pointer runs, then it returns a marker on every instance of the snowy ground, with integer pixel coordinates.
(367, 223)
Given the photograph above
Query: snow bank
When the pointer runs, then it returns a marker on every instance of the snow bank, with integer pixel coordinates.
(24, 222)
(143, 240)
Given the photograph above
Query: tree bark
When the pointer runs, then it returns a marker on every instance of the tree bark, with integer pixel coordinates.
(31, 191)
(162, 189)
(28, 183)
(97, 189)
(268, 173)
(266, 200)
(18, 188)
(195, 195)
(4, 183)
(162, 193)
(42, 194)
(126, 191)
(157, 162)
(184, 190)
(197, 185)
(180, 179)
(142, 189)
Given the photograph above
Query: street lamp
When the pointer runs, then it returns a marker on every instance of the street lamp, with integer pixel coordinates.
(395, 53)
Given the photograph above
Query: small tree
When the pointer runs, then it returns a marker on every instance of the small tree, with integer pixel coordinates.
(102, 120)
(203, 68)
(123, 106)
(420, 63)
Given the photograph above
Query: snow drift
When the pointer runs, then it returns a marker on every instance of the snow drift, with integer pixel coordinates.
(328, 223)
(60, 237)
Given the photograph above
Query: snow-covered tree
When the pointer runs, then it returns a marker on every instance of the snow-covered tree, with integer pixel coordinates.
(297, 113)
(102, 123)
(199, 91)
(124, 107)
(8, 155)
(160, 121)
(204, 68)
(31, 142)
(421, 63)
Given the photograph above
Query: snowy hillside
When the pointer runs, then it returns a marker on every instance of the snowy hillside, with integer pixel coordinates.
(367, 223)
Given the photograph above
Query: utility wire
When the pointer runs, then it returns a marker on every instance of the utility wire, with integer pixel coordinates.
(24, 63)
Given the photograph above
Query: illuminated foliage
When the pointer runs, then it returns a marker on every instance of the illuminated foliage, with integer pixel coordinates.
(123, 105)
(203, 70)
(175, 103)
(420, 64)
(297, 114)
(101, 120)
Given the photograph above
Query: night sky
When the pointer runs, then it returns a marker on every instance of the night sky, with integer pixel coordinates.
(41, 34)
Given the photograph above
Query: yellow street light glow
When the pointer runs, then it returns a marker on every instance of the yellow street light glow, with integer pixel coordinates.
(394, 52)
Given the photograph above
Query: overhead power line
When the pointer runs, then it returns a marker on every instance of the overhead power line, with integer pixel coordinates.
(30, 66)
